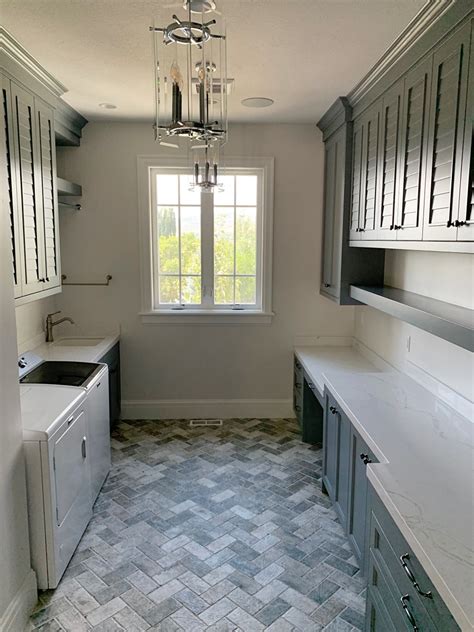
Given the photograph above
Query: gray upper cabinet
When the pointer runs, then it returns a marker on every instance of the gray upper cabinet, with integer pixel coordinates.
(28, 177)
(342, 265)
(446, 138)
(32, 192)
(15, 221)
(368, 172)
(412, 164)
(47, 168)
(413, 144)
(357, 186)
(466, 196)
(390, 117)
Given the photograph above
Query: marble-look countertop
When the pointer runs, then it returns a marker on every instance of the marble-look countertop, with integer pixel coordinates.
(53, 351)
(318, 360)
(425, 475)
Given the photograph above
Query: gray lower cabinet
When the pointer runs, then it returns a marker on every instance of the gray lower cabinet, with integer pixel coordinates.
(359, 457)
(307, 405)
(112, 359)
(336, 449)
(397, 580)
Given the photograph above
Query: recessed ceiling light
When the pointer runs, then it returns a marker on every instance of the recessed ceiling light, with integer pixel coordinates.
(108, 106)
(257, 102)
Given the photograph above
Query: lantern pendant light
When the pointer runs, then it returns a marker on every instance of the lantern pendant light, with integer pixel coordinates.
(191, 86)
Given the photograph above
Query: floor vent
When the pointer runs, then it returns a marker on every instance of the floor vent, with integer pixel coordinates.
(205, 422)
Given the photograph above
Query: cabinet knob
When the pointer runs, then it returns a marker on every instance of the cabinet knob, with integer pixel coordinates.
(298, 385)
(327, 284)
(333, 409)
(365, 458)
(392, 226)
(449, 223)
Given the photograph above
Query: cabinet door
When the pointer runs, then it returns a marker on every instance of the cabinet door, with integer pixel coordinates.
(466, 198)
(388, 162)
(341, 500)
(334, 174)
(99, 434)
(357, 514)
(369, 171)
(331, 446)
(29, 180)
(357, 145)
(11, 192)
(47, 169)
(413, 141)
(446, 131)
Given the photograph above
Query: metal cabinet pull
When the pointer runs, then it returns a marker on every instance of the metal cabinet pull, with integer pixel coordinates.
(298, 409)
(365, 458)
(412, 578)
(410, 617)
(83, 448)
(298, 385)
(97, 385)
(327, 284)
(333, 409)
(311, 385)
(297, 364)
(70, 420)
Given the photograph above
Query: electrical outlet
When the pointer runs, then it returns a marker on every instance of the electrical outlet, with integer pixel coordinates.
(408, 343)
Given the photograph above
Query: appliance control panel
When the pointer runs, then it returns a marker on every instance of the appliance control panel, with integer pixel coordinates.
(27, 362)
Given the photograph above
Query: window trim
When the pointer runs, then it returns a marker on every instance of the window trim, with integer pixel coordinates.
(148, 314)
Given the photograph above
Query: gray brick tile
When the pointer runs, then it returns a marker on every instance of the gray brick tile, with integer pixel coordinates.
(205, 520)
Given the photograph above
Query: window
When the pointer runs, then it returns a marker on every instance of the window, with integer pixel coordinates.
(206, 254)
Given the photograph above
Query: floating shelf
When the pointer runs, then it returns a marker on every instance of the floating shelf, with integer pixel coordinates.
(68, 188)
(451, 322)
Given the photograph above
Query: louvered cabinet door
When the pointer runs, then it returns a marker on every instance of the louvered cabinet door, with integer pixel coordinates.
(369, 172)
(29, 191)
(466, 197)
(356, 194)
(47, 170)
(388, 162)
(446, 136)
(12, 167)
(413, 144)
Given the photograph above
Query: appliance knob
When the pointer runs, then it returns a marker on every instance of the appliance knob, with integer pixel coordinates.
(22, 363)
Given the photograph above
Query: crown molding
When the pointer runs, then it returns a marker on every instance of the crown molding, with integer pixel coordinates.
(423, 20)
(14, 55)
(339, 113)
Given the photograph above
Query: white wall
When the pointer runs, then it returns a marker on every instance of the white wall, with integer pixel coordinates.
(17, 580)
(185, 362)
(445, 276)
(30, 321)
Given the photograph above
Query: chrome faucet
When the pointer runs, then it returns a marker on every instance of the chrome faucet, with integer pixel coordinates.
(50, 324)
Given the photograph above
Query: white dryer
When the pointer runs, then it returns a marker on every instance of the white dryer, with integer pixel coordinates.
(55, 434)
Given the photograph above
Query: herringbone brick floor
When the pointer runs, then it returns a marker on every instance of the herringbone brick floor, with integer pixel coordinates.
(209, 529)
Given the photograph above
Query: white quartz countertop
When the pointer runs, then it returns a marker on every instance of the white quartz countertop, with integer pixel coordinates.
(425, 476)
(54, 351)
(45, 407)
(319, 360)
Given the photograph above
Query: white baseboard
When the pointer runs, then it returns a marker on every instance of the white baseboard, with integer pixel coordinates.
(206, 408)
(18, 611)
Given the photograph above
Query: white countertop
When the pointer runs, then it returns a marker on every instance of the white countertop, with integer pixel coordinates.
(425, 478)
(51, 350)
(45, 407)
(318, 360)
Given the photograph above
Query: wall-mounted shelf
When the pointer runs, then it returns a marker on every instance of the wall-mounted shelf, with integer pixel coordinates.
(450, 322)
(68, 188)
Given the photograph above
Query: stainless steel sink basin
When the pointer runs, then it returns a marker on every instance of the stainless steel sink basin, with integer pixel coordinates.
(78, 342)
(64, 373)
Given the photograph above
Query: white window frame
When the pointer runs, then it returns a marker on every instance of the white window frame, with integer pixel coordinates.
(146, 166)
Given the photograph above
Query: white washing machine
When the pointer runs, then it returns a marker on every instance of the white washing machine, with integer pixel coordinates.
(58, 475)
(66, 433)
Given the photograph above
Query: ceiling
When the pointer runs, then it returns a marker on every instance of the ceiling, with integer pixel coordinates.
(300, 53)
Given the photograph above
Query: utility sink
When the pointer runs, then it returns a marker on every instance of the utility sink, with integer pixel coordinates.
(63, 373)
(78, 342)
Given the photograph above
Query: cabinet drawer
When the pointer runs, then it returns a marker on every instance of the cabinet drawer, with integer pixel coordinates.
(387, 543)
(403, 611)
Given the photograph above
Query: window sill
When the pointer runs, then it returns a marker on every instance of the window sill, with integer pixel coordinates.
(206, 317)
